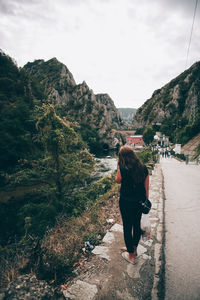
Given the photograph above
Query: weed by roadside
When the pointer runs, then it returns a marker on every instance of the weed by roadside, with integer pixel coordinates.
(54, 257)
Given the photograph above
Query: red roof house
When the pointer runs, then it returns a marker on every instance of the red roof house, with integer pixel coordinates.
(135, 140)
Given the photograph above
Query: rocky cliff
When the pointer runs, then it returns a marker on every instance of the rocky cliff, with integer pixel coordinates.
(180, 96)
(175, 106)
(77, 100)
(127, 114)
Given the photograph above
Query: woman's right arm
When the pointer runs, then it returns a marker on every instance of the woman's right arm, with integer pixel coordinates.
(118, 177)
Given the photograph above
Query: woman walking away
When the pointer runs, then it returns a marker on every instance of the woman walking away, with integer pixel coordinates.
(134, 178)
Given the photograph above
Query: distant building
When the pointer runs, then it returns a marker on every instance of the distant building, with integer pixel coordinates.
(177, 148)
(161, 139)
(135, 140)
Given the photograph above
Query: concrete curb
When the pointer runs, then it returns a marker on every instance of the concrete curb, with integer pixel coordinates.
(159, 234)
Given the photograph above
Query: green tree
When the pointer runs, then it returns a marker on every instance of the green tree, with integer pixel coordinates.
(66, 159)
(59, 178)
(18, 94)
(91, 137)
(148, 135)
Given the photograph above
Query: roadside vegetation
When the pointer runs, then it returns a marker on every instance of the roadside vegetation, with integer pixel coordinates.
(53, 254)
(198, 151)
(179, 156)
(45, 175)
(49, 203)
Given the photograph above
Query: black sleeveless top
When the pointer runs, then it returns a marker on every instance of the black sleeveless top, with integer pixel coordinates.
(129, 191)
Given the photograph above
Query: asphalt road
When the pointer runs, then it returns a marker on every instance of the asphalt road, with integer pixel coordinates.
(182, 221)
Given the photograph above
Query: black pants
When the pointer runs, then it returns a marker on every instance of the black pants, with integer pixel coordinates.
(131, 216)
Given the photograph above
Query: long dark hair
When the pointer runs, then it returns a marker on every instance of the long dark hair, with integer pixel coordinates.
(128, 160)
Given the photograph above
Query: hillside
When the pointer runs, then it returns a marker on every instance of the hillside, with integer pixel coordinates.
(77, 101)
(127, 114)
(46, 173)
(175, 106)
(190, 148)
(18, 95)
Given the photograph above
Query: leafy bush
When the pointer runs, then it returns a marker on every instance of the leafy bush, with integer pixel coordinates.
(181, 156)
(148, 134)
(84, 198)
(198, 151)
(146, 155)
(41, 216)
(91, 137)
(93, 237)
(54, 266)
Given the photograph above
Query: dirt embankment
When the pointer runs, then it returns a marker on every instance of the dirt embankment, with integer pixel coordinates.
(191, 146)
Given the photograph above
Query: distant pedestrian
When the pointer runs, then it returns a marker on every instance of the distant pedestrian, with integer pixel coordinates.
(166, 153)
(134, 178)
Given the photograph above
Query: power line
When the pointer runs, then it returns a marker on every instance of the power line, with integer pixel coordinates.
(195, 9)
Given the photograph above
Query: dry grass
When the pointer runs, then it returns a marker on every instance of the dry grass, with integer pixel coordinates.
(68, 236)
(61, 248)
(9, 266)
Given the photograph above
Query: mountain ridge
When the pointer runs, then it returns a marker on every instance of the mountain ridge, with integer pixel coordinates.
(77, 100)
(175, 106)
(127, 113)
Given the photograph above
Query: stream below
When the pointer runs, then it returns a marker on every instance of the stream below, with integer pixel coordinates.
(105, 166)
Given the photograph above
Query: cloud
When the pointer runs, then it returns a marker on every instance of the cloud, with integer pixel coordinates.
(25, 14)
(185, 6)
(15, 7)
(5, 8)
(124, 48)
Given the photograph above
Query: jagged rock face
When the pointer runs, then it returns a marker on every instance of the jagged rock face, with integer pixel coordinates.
(179, 97)
(111, 114)
(127, 114)
(78, 101)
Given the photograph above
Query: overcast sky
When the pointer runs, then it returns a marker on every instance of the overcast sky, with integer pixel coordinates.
(125, 48)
